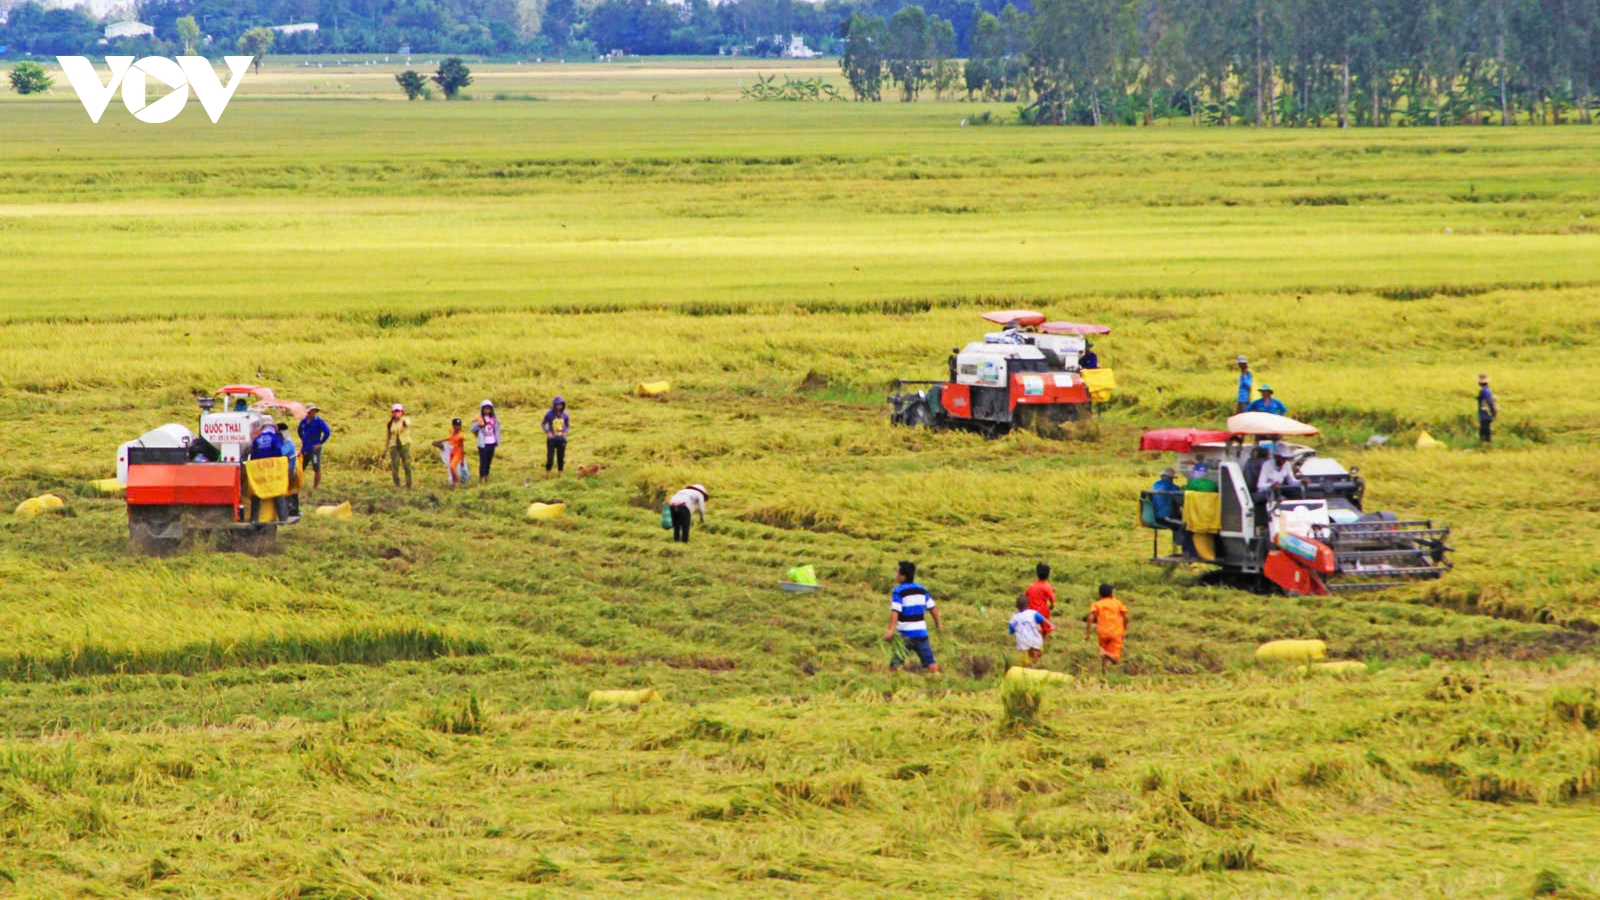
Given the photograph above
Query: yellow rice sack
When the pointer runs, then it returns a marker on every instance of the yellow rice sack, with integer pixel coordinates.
(1018, 673)
(623, 698)
(34, 506)
(342, 511)
(1292, 651)
(546, 510)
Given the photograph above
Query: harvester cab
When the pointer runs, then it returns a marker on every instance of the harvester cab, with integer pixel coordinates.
(1311, 538)
(178, 482)
(1030, 372)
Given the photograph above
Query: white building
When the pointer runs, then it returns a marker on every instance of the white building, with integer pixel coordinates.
(797, 49)
(299, 28)
(128, 29)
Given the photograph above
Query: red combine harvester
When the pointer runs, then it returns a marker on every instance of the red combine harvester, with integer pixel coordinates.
(1029, 373)
(178, 483)
(1314, 539)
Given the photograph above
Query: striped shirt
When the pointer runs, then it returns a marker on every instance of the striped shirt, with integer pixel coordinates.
(912, 602)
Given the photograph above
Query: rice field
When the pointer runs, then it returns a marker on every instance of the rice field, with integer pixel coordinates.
(394, 705)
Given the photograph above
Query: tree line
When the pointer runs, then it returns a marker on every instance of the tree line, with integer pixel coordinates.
(494, 28)
(1260, 62)
(1222, 62)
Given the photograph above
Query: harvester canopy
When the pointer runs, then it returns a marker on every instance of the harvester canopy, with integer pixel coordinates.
(1021, 317)
(261, 399)
(1260, 423)
(1073, 328)
(1180, 440)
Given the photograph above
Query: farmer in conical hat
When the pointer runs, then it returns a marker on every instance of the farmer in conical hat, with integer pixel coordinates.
(684, 505)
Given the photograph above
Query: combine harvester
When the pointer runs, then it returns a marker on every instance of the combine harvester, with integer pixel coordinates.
(1023, 376)
(178, 483)
(1313, 544)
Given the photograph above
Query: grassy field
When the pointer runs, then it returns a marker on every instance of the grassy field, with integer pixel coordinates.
(393, 705)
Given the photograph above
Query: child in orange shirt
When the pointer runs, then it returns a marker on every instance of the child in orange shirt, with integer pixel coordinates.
(1108, 620)
(454, 452)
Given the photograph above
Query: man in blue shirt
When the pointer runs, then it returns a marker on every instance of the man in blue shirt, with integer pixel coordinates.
(1167, 500)
(1167, 496)
(1088, 359)
(314, 432)
(1267, 403)
(266, 445)
(1488, 410)
(909, 608)
(1246, 382)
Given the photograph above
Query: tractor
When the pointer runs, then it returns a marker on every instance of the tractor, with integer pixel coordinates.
(1028, 374)
(1312, 540)
(178, 483)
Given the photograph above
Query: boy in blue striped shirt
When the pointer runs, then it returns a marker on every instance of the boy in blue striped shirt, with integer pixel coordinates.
(909, 608)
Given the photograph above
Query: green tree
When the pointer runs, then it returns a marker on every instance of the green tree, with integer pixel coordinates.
(29, 78)
(453, 75)
(412, 83)
(985, 60)
(189, 34)
(907, 50)
(862, 62)
(257, 42)
(943, 69)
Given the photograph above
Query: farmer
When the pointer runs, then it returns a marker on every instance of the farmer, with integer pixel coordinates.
(266, 444)
(556, 426)
(1200, 480)
(1089, 359)
(487, 427)
(684, 505)
(1028, 627)
(1041, 595)
(1167, 500)
(1488, 409)
(314, 432)
(1108, 620)
(453, 449)
(909, 608)
(1267, 403)
(1278, 473)
(1246, 381)
(397, 443)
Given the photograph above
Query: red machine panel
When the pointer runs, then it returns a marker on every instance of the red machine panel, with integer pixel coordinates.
(956, 400)
(192, 484)
(1047, 387)
(1292, 575)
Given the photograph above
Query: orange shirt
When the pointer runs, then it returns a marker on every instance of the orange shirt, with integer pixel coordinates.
(1110, 617)
(458, 453)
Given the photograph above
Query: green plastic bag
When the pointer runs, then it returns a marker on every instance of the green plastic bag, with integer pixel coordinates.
(803, 575)
(666, 516)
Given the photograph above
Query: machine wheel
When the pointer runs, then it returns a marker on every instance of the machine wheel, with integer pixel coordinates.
(1255, 583)
(145, 539)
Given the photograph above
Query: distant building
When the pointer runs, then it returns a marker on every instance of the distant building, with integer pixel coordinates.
(299, 28)
(128, 29)
(797, 49)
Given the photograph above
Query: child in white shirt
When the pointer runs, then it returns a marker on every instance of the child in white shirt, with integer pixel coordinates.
(1028, 627)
